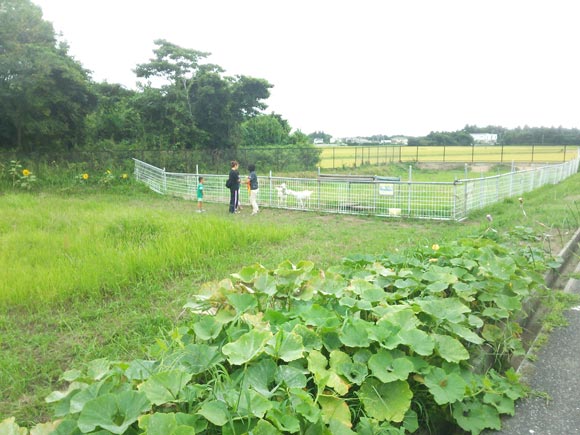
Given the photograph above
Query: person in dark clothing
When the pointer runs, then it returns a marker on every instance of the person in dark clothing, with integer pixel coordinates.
(234, 186)
(253, 182)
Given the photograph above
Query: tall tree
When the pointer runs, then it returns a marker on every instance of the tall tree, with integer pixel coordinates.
(44, 93)
(201, 106)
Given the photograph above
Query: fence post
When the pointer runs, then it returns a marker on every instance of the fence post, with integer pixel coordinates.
(454, 208)
(164, 181)
(409, 193)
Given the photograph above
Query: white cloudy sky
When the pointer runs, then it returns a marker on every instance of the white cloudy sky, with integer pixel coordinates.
(356, 68)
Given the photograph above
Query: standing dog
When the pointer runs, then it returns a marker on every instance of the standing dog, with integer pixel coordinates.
(301, 196)
(281, 189)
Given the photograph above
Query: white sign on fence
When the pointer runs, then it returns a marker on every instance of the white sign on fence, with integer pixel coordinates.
(386, 189)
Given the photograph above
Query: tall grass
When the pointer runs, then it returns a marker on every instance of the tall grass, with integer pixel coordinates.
(54, 247)
(86, 274)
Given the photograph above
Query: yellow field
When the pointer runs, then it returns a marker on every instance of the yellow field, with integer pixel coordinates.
(347, 156)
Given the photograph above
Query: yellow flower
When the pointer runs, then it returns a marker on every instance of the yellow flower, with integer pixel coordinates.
(25, 172)
(108, 172)
(124, 176)
(433, 260)
(435, 247)
(85, 176)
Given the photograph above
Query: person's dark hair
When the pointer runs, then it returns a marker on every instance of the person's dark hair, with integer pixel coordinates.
(251, 167)
(200, 179)
(233, 163)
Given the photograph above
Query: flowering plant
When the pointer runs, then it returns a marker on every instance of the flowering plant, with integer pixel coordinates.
(107, 178)
(83, 178)
(21, 177)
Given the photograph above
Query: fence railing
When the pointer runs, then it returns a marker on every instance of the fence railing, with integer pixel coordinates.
(374, 196)
(295, 158)
(349, 156)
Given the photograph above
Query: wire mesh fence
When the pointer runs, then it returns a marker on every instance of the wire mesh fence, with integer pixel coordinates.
(364, 195)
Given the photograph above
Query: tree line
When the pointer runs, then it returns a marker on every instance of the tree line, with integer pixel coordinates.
(48, 101)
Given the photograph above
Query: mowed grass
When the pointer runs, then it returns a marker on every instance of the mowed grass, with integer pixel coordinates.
(128, 262)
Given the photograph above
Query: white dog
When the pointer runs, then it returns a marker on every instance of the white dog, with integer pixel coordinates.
(281, 189)
(301, 196)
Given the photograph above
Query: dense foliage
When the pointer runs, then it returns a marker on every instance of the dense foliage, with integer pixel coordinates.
(391, 344)
(49, 103)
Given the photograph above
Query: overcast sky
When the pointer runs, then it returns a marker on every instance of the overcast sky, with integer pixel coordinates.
(356, 68)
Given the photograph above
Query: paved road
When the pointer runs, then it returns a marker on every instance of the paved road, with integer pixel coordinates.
(556, 373)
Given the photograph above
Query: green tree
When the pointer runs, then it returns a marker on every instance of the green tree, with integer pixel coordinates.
(115, 119)
(197, 106)
(44, 93)
(265, 130)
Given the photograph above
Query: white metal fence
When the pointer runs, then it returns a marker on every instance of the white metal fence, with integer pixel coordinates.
(359, 195)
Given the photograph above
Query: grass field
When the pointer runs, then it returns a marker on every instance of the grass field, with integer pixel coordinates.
(101, 274)
(348, 156)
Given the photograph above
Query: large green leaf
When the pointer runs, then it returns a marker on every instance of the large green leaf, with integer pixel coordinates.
(197, 358)
(261, 375)
(168, 424)
(9, 426)
(292, 377)
(248, 346)
(329, 284)
(419, 341)
(401, 315)
(252, 404)
(286, 346)
(303, 404)
(440, 274)
(165, 387)
(367, 290)
(474, 416)
(319, 316)
(264, 427)
(242, 302)
(464, 332)
(445, 387)
(216, 412)
(388, 402)
(354, 333)
(450, 349)
(310, 339)
(335, 408)
(98, 368)
(386, 333)
(265, 283)
(139, 369)
(390, 366)
(207, 328)
(248, 273)
(284, 419)
(317, 364)
(343, 365)
(113, 412)
(450, 309)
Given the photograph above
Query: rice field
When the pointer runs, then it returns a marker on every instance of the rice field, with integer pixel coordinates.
(348, 156)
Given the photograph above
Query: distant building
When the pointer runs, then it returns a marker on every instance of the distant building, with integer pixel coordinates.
(484, 138)
(318, 141)
(400, 140)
